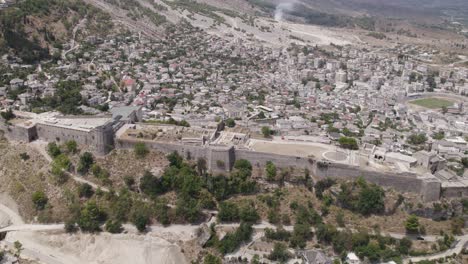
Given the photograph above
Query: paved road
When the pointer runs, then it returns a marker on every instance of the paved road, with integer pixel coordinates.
(33, 227)
(462, 242)
(15, 219)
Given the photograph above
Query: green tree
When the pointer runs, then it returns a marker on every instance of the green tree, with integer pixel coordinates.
(175, 159)
(71, 146)
(141, 150)
(141, 221)
(91, 217)
(85, 190)
(67, 97)
(348, 143)
(404, 246)
(230, 122)
(228, 212)
(60, 164)
(211, 259)
(232, 241)
(201, 166)
(417, 139)
(39, 200)
(162, 213)
(188, 209)
(7, 115)
(412, 224)
(266, 132)
(280, 253)
(301, 233)
(53, 150)
(270, 171)
(248, 213)
(371, 200)
(85, 163)
(243, 164)
(150, 185)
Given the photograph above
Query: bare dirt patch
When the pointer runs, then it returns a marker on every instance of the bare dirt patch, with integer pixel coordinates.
(123, 163)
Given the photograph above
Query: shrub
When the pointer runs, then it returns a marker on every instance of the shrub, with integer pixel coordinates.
(150, 185)
(175, 159)
(228, 212)
(231, 241)
(72, 146)
(91, 217)
(60, 164)
(457, 225)
(129, 181)
(85, 163)
(114, 226)
(53, 150)
(243, 164)
(271, 171)
(340, 219)
(404, 246)
(248, 213)
(371, 200)
(348, 143)
(85, 190)
(323, 185)
(279, 253)
(210, 259)
(188, 209)
(280, 234)
(7, 115)
(141, 150)
(230, 122)
(266, 132)
(412, 224)
(39, 199)
(24, 156)
(300, 235)
(417, 139)
(141, 221)
(70, 226)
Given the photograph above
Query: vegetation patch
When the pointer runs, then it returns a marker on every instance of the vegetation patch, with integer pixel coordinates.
(432, 103)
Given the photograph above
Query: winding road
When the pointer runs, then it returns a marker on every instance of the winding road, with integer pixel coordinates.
(19, 230)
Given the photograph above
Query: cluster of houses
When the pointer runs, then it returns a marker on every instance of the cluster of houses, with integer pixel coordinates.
(362, 92)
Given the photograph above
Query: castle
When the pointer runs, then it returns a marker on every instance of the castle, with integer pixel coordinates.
(219, 148)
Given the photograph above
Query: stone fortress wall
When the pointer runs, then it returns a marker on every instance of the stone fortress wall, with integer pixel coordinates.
(18, 133)
(428, 188)
(99, 139)
(221, 158)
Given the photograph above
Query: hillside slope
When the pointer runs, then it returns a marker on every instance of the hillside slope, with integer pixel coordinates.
(34, 29)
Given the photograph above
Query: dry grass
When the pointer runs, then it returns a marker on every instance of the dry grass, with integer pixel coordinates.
(122, 163)
(393, 223)
(20, 179)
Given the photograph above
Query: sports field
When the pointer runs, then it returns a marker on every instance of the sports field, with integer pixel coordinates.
(433, 102)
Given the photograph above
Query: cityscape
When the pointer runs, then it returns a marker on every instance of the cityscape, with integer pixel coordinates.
(246, 132)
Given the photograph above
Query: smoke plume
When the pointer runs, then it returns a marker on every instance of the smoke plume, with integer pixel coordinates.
(282, 7)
